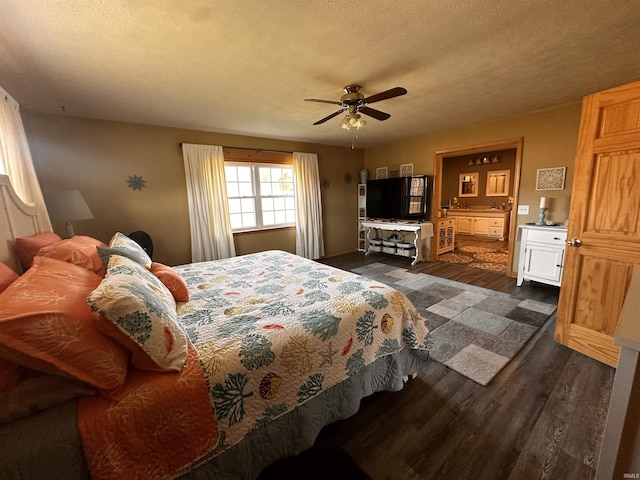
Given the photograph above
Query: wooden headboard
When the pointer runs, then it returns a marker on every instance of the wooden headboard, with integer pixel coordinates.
(17, 219)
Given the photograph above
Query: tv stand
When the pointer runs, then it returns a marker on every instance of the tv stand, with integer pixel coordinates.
(422, 232)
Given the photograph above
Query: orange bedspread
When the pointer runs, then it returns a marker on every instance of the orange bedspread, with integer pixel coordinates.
(161, 424)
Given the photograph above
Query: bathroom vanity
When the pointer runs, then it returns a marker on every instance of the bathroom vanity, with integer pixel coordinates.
(486, 222)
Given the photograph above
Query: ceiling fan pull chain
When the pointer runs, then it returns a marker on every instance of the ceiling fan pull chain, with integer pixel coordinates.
(353, 140)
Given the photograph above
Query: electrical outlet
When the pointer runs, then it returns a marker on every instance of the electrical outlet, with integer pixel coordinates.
(523, 209)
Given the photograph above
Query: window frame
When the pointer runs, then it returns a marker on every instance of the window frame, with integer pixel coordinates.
(255, 165)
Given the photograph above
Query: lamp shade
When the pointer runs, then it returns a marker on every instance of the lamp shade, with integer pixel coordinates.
(67, 206)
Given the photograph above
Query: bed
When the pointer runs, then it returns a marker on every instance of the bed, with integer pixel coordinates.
(256, 355)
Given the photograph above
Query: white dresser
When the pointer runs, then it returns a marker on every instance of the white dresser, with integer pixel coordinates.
(541, 254)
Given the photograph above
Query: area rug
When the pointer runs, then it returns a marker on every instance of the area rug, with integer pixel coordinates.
(494, 259)
(317, 463)
(474, 331)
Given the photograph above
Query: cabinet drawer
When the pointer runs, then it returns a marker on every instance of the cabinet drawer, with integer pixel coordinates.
(495, 231)
(553, 237)
(446, 223)
(496, 222)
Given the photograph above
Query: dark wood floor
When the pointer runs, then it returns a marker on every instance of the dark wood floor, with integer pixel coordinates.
(542, 417)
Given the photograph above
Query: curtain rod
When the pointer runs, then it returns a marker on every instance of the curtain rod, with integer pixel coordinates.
(258, 150)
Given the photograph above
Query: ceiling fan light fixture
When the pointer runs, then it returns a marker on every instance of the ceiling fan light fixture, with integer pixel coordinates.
(353, 121)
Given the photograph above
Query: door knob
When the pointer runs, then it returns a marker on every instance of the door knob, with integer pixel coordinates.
(574, 242)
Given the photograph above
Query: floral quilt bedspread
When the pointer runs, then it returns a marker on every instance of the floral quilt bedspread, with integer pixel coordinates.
(273, 330)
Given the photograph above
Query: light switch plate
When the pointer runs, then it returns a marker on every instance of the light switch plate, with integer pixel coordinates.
(523, 209)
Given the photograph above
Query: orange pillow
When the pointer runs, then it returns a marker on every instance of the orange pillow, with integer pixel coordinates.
(46, 325)
(172, 280)
(79, 250)
(27, 247)
(9, 374)
(7, 277)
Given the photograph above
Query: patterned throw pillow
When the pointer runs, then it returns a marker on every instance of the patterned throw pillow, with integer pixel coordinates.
(122, 245)
(142, 308)
(79, 250)
(46, 325)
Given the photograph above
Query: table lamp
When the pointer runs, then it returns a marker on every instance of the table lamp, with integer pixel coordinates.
(67, 206)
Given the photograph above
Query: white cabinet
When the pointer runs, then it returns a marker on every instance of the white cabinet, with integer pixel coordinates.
(541, 254)
(465, 225)
(481, 226)
(363, 241)
(446, 232)
(487, 223)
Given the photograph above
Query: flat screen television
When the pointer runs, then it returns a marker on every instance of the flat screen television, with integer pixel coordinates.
(400, 198)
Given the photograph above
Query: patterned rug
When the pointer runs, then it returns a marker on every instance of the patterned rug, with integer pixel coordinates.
(478, 257)
(474, 331)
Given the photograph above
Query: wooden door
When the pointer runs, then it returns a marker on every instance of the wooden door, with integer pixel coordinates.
(603, 241)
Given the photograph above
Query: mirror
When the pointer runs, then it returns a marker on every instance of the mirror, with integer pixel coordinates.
(498, 183)
(468, 185)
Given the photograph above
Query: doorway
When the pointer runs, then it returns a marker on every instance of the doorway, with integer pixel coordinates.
(478, 151)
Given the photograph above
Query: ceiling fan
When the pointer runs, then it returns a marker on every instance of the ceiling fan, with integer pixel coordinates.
(355, 103)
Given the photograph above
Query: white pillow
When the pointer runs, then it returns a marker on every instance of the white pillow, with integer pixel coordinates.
(143, 309)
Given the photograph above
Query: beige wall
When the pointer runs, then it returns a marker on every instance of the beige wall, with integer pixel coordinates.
(550, 139)
(97, 157)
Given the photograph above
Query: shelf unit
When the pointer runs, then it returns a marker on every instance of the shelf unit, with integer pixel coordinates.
(422, 232)
(363, 240)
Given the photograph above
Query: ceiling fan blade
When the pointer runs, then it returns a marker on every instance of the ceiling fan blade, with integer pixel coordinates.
(332, 102)
(394, 92)
(372, 112)
(329, 117)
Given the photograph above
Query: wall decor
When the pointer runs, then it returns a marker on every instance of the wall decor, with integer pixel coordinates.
(324, 183)
(136, 182)
(468, 186)
(381, 172)
(347, 177)
(551, 178)
(406, 170)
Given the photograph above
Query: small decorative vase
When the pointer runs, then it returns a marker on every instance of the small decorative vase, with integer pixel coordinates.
(364, 175)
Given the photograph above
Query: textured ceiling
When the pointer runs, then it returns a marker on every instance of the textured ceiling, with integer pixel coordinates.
(244, 67)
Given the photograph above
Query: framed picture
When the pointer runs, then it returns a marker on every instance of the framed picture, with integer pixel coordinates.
(551, 178)
(406, 170)
(381, 172)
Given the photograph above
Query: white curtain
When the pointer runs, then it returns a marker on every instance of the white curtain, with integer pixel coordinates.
(16, 161)
(211, 236)
(309, 241)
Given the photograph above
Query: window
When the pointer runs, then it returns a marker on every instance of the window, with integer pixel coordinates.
(260, 195)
